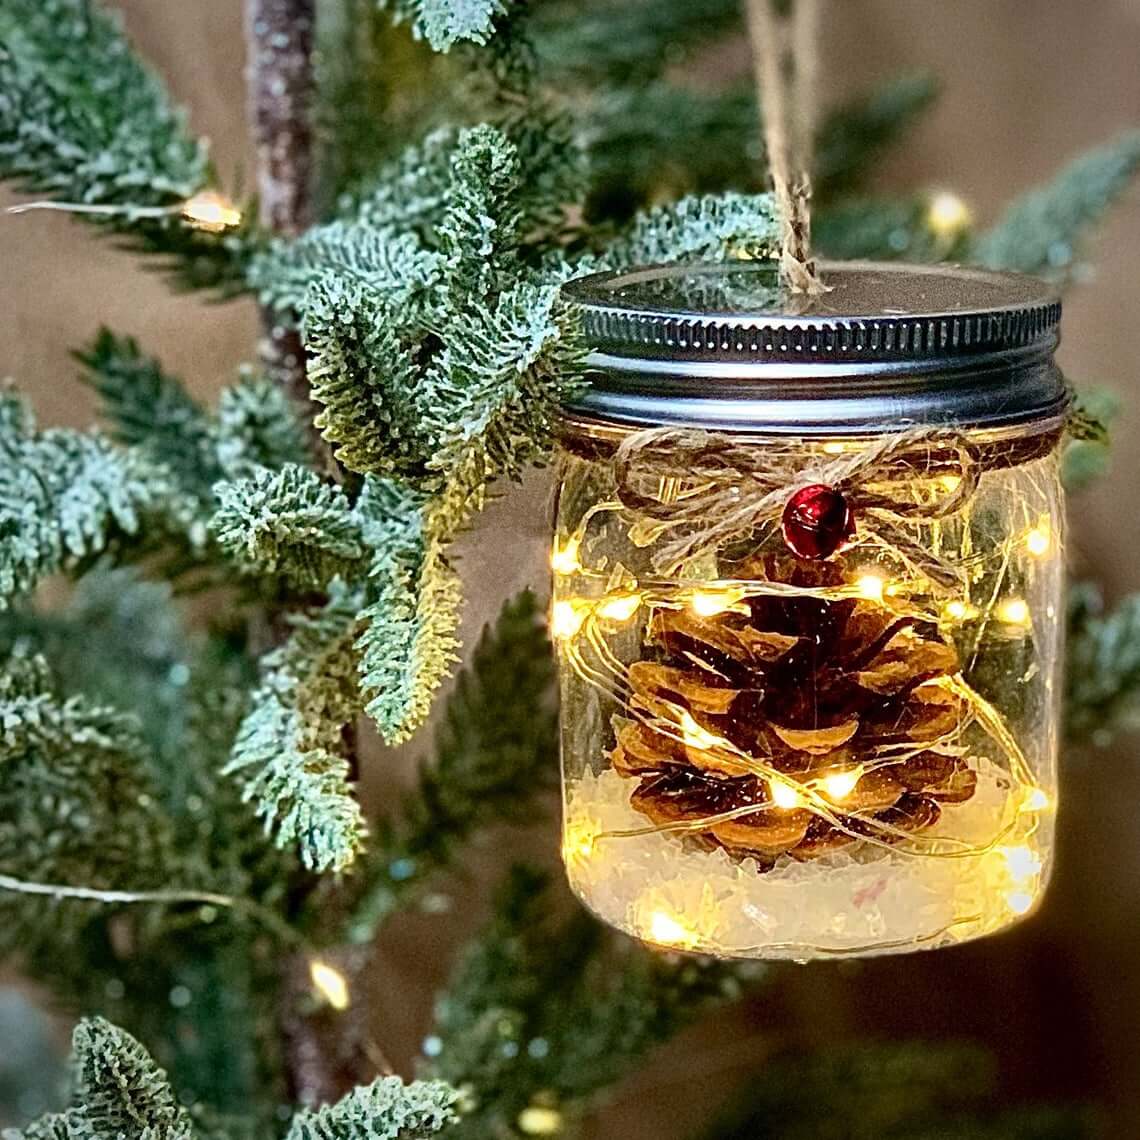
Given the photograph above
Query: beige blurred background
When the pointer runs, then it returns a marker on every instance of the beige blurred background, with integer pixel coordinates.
(1027, 83)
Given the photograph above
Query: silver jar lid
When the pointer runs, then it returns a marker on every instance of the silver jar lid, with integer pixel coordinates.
(889, 346)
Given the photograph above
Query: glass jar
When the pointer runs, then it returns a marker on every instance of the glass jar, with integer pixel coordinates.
(807, 607)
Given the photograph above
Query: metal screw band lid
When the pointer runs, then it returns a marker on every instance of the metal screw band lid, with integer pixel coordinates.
(890, 346)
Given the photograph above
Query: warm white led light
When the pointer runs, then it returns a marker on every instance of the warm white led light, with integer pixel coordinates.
(784, 794)
(564, 559)
(1038, 539)
(958, 610)
(870, 586)
(697, 737)
(566, 618)
(578, 840)
(538, 1120)
(1014, 611)
(210, 211)
(947, 215)
(665, 929)
(619, 607)
(1022, 862)
(839, 785)
(330, 983)
(709, 603)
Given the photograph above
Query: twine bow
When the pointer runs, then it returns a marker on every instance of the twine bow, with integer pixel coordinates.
(705, 490)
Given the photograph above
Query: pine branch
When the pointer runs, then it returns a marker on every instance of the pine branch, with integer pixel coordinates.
(120, 1091)
(289, 751)
(639, 145)
(77, 807)
(1042, 232)
(852, 137)
(625, 43)
(390, 264)
(80, 118)
(151, 410)
(66, 496)
(408, 644)
(83, 121)
(445, 23)
(558, 1011)
(700, 229)
(257, 427)
(410, 191)
(1086, 455)
(479, 230)
(493, 758)
(387, 1109)
(364, 371)
(288, 522)
(886, 229)
(1102, 666)
(55, 1126)
(494, 389)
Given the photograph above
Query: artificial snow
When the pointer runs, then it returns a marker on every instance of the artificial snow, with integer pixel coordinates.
(863, 900)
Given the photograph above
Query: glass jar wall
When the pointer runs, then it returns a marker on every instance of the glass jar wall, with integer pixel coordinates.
(773, 751)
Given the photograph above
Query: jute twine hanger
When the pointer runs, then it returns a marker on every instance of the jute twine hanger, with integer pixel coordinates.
(786, 63)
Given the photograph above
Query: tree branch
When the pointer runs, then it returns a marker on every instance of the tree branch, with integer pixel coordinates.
(279, 81)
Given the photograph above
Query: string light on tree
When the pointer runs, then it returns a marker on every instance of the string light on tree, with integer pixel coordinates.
(208, 210)
(330, 983)
(947, 215)
(211, 211)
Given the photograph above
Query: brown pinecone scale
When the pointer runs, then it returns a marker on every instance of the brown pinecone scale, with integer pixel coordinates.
(811, 687)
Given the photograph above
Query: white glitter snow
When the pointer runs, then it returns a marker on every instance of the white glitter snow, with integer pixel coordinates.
(861, 901)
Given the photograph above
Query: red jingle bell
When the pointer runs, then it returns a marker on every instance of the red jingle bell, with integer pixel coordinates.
(817, 521)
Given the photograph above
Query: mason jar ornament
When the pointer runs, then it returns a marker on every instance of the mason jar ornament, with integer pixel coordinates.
(807, 607)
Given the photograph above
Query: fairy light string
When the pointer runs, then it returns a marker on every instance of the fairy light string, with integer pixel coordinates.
(209, 211)
(682, 498)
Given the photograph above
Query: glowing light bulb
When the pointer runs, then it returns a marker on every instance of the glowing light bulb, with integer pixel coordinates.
(784, 794)
(330, 983)
(958, 610)
(1019, 901)
(697, 737)
(1038, 539)
(668, 931)
(1021, 862)
(579, 840)
(564, 559)
(538, 1120)
(1014, 611)
(210, 211)
(871, 586)
(619, 607)
(709, 603)
(839, 785)
(566, 618)
(1035, 800)
(947, 215)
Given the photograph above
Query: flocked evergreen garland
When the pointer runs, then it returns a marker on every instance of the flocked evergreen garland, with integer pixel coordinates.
(438, 352)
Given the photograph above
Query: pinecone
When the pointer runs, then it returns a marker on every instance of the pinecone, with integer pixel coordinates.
(812, 687)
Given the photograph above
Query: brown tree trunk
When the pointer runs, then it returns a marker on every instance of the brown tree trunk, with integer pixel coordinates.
(326, 1051)
(279, 82)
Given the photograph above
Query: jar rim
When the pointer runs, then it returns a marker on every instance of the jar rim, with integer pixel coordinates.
(890, 346)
